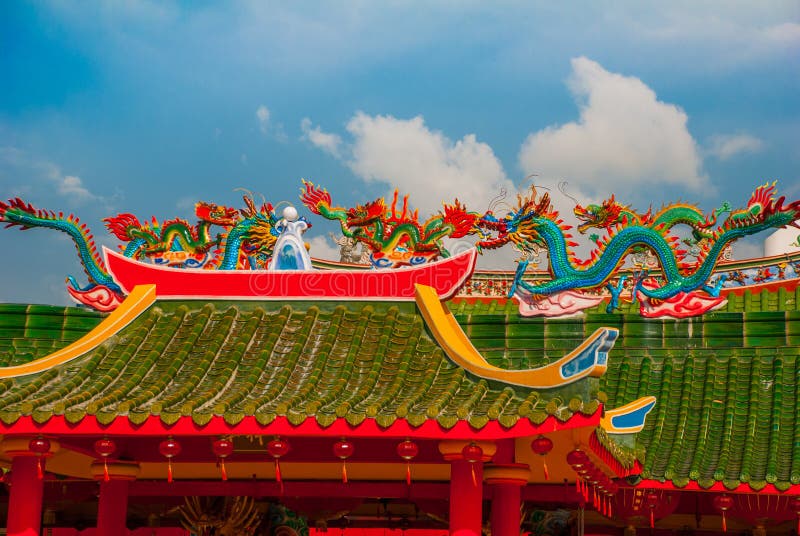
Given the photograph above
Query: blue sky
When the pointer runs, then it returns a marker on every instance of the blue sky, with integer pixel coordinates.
(147, 107)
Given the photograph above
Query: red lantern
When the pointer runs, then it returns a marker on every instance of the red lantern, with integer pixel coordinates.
(39, 446)
(473, 454)
(651, 500)
(577, 459)
(542, 446)
(169, 448)
(105, 448)
(407, 450)
(222, 448)
(277, 448)
(343, 449)
(580, 463)
(723, 503)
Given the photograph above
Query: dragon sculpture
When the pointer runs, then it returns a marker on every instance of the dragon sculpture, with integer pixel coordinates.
(512, 228)
(246, 242)
(174, 242)
(102, 292)
(395, 239)
(536, 222)
(613, 214)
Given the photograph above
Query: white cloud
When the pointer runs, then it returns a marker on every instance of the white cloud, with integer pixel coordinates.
(72, 186)
(326, 141)
(321, 248)
(624, 137)
(267, 125)
(726, 146)
(712, 35)
(16, 164)
(262, 114)
(407, 155)
(786, 34)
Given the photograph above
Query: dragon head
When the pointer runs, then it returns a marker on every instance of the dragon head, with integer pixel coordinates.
(216, 214)
(599, 216)
(363, 215)
(517, 226)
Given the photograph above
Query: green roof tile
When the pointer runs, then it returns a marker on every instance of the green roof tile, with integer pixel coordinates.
(28, 332)
(233, 360)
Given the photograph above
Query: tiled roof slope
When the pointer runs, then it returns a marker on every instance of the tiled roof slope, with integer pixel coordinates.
(728, 405)
(728, 401)
(265, 360)
(29, 332)
(751, 300)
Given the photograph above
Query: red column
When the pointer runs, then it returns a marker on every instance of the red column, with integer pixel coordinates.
(506, 481)
(25, 497)
(112, 511)
(466, 498)
(466, 487)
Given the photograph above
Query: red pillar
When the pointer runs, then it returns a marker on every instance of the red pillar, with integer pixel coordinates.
(506, 481)
(466, 498)
(25, 497)
(112, 511)
(466, 487)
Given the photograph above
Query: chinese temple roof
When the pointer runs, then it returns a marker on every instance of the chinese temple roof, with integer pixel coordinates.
(323, 361)
(725, 382)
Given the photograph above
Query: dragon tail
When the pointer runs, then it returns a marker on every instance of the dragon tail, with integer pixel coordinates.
(460, 221)
(17, 212)
(312, 197)
(762, 195)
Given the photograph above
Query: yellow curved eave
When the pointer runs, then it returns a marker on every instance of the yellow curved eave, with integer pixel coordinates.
(632, 415)
(135, 304)
(458, 348)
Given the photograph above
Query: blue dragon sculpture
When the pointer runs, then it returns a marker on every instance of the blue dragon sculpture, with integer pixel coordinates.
(536, 223)
(247, 244)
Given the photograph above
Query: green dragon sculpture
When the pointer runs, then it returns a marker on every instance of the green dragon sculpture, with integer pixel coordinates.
(394, 239)
(539, 222)
(174, 242)
(247, 242)
(611, 213)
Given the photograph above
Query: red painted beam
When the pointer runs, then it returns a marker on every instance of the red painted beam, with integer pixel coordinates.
(82, 490)
(185, 426)
(547, 493)
(260, 488)
(305, 449)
